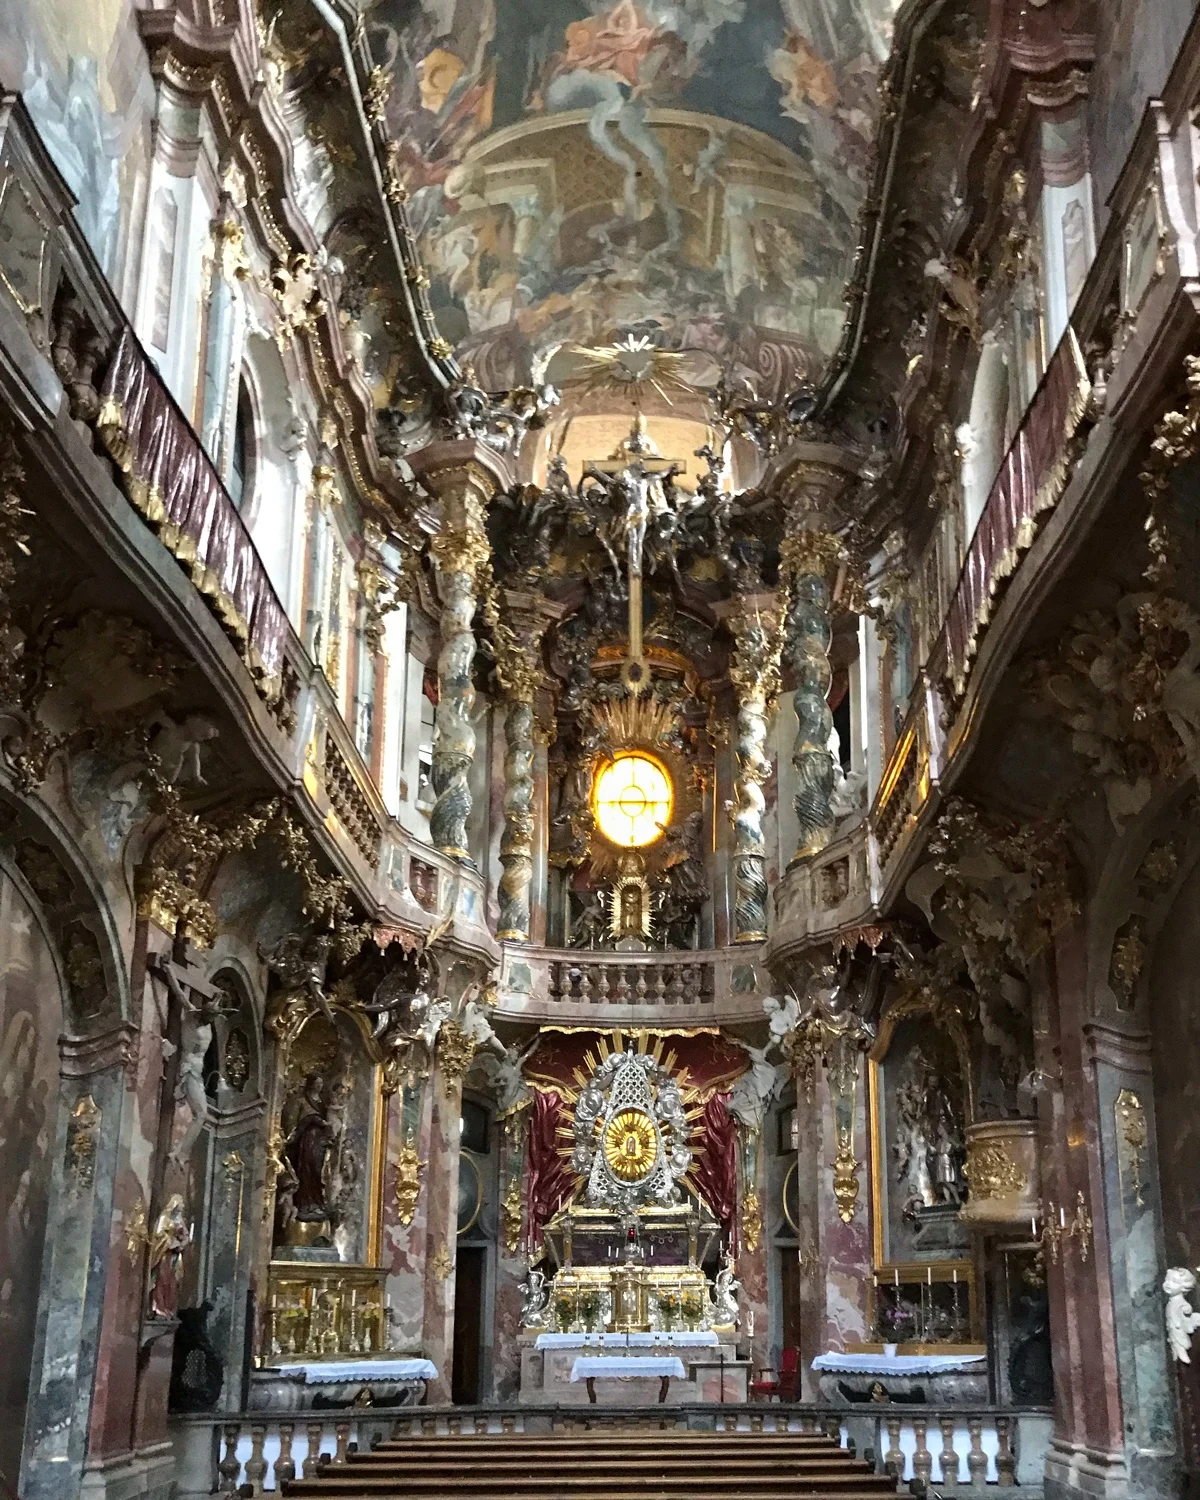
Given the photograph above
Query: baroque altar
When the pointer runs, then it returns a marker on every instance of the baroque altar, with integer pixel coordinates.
(623, 1267)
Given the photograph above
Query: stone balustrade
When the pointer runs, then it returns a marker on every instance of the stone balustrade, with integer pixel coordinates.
(578, 984)
(991, 1446)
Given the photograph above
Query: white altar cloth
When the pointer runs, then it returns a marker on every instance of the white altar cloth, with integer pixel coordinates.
(627, 1367)
(896, 1364)
(699, 1340)
(329, 1372)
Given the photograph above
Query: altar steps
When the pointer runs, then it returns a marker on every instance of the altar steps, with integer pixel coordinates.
(605, 1466)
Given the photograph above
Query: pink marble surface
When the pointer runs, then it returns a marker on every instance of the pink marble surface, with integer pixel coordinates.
(441, 1231)
(121, 1415)
(403, 1249)
(845, 1249)
(510, 1272)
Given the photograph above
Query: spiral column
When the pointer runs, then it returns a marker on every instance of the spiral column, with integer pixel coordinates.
(463, 480)
(756, 624)
(808, 560)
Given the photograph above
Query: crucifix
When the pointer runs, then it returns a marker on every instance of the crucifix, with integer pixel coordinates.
(636, 479)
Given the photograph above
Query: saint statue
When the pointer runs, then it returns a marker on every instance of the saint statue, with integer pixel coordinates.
(172, 1235)
(307, 1151)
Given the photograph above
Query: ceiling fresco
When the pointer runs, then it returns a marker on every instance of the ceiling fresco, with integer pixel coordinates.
(691, 170)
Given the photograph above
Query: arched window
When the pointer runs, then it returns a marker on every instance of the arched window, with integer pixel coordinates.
(240, 463)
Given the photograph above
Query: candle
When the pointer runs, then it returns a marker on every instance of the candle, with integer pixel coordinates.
(896, 1274)
(928, 1275)
(1062, 1218)
(750, 1323)
(956, 1276)
(1033, 1227)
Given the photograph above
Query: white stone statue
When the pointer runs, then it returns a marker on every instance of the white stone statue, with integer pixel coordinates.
(1182, 1319)
(758, 1085)
(725, 1306)
(781, 1015)
(535, 1295)
(196, 1034)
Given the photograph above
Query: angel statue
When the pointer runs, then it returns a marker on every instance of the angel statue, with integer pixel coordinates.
(299, 960)
(1182, 1319)
(535, 1295)
(725, 1306)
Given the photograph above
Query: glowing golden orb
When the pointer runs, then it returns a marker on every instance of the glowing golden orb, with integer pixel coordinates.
(630, 1145)
(632, 798)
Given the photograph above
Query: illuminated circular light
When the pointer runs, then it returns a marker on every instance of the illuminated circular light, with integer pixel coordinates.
(630, 1146)
(632, 799)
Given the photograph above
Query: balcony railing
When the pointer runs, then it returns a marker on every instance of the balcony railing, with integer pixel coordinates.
(574, 983)
(1034, 474)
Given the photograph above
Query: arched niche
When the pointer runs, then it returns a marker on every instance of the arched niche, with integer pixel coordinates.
(922, 1098)
(216, 1314)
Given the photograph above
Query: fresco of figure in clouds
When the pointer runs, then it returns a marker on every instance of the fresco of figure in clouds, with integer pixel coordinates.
(578, 169)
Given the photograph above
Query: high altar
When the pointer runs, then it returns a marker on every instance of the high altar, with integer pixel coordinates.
(627, 1253)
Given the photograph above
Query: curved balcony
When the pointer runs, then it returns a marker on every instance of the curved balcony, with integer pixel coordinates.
(683, 988)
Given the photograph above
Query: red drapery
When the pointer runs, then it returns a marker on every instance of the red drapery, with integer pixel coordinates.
(548, 1176)
(714, 1161)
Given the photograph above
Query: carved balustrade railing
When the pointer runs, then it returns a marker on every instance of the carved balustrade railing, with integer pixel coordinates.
(1030, 481)
(633, 978)
(991, 1446)
(63, 327)
(576, 983)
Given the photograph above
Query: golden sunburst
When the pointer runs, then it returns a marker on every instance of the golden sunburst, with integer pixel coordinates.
(630, 1145)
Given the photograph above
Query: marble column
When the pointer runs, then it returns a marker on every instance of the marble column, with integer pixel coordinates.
(807, 560)
(755, 622)
(517, 631)
(752, 1251)
(827, 1054)
(463, 476)
(510, 1257)
(405, 1209)
(1088, 1451)
(453, 1057)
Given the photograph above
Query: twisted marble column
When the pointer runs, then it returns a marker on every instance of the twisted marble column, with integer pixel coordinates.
(518, 651)
(459, 549)
(756, 625)
(516, 842)
(808, 559)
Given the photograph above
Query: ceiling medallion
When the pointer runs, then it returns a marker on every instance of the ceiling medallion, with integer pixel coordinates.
(630, 1145)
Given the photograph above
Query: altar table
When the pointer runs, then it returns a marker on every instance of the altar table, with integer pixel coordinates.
(896, 1364)
(590, 1368)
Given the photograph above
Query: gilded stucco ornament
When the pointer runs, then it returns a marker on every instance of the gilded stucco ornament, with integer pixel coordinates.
(294, 287)
(455, 1049)
(838, 1036)
(408, 1182)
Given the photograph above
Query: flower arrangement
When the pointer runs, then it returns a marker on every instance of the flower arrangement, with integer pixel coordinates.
(589, 1308)
(693, 1307)
(668, 1309)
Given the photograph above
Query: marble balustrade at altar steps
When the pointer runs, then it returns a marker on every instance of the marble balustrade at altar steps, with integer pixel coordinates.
(992, 1446)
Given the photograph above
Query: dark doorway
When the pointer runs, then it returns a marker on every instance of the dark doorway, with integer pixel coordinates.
(789, 1287)
(471, 1269)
